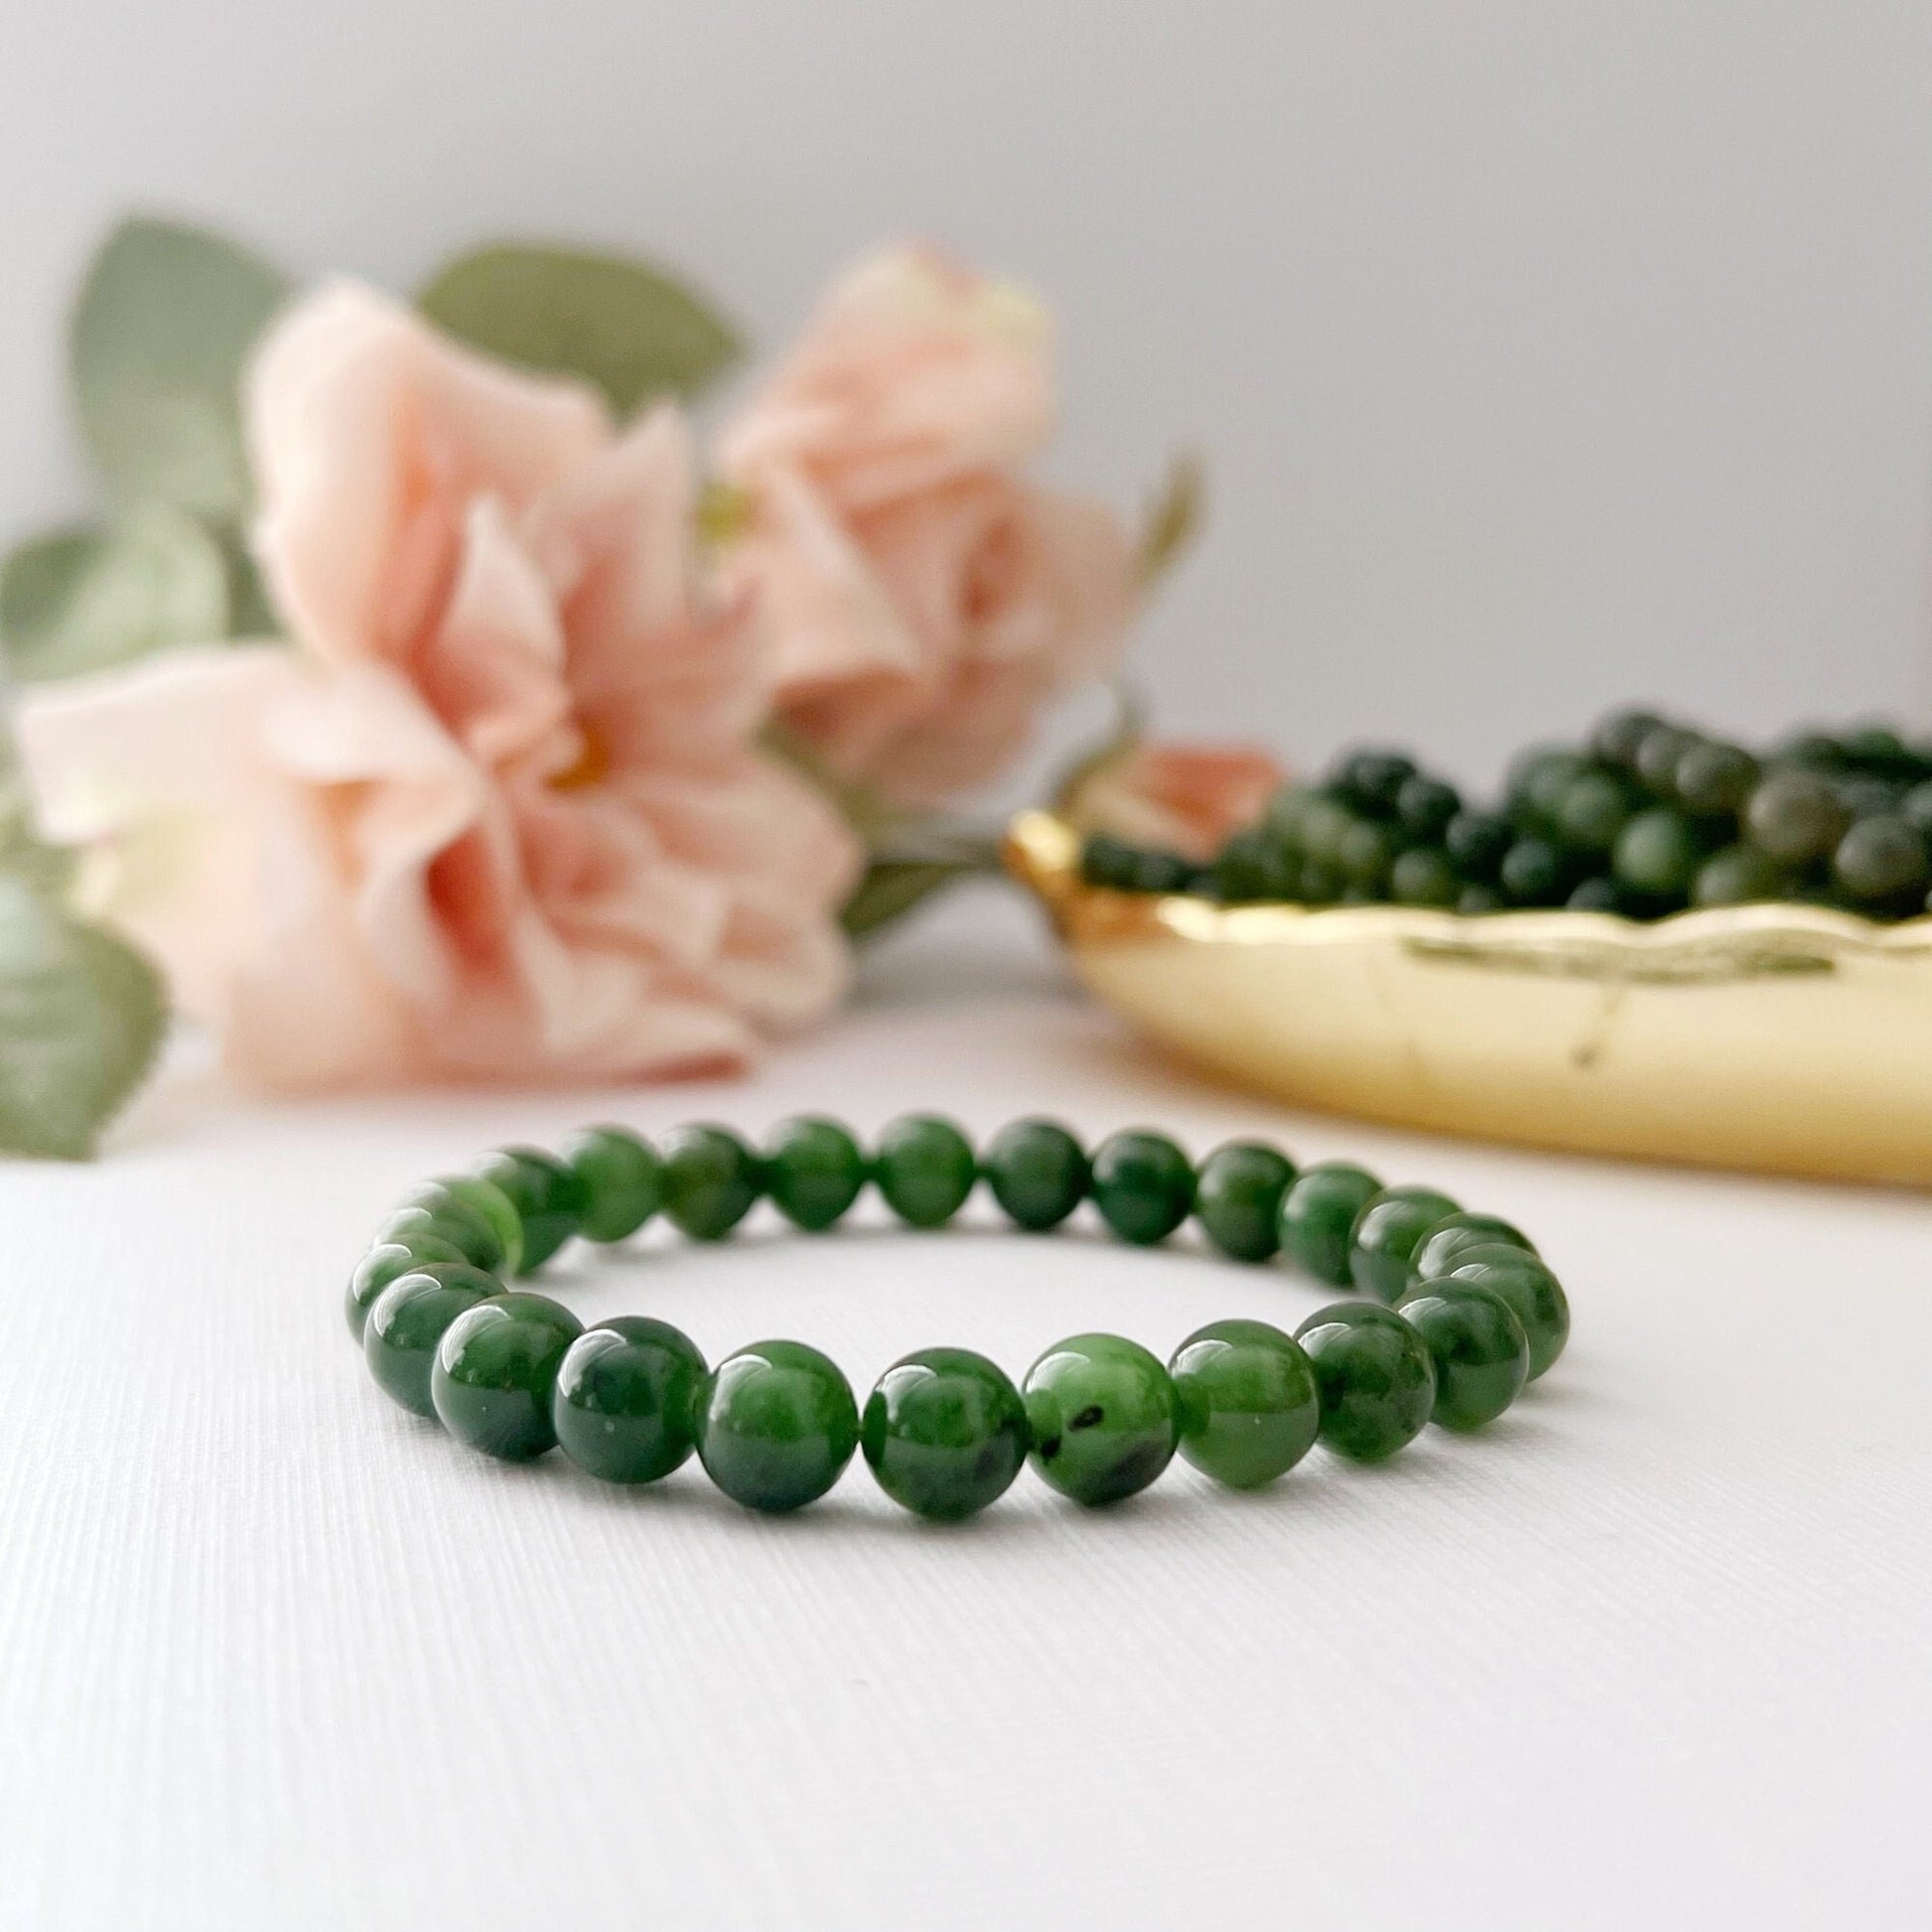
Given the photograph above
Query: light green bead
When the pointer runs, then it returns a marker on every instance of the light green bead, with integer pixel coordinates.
(1249, 1407)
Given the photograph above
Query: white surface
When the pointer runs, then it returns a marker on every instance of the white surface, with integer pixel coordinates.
(1651, 1652)
(1543, 355)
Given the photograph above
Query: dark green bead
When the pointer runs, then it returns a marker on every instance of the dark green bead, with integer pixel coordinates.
(1481, 1353)
(1364, 854)
(624, 1180)
(1037, 1172)
(1107, 860)
(625, 1403)
(1143, 1185)
(1387, 1232)
(1659, 754)
(1796, 816)
(1879, 859)
(1616, 738)
(1915, 809)
(945, 1432)
(1740, 874)
(777, 1426)
(1476, 842)
(1371, 779)
(1423, 876)
(1103, 1417)
(496, 1370)
(1472, 901)
(1715, 779)
(1456, 1234)
(1591, 809)
(549, 1197)
(924, 1169)
(712, 1180)
(1657, 854)
(813, 1171)
(407, 1320)
(1595, 895)
(381, 1266)
(1247, 1404)
(1539, 778)
(1238, 1198)
(1326, 823)
(1424, 807)
(477, 1216)
(1375, 1375)
(1319, 1216)
(1533, 873)
(1532, 1291)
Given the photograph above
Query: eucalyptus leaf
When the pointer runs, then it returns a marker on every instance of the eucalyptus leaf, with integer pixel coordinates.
(79, 599)
(160, 336)
(893, 887)
(628, 328)
(82, 1016)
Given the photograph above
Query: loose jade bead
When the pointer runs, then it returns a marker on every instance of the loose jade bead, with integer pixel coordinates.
(1248, 1404)
(1532, 1291)
(1386, 1235)
(1456, 1234)
(712, 1180)
(1143, 1185)
(776, 1424)
(1481, 1353)
(1238, 1198)
(813, 1171)
(496, 1371)
(625, 1402)
(622, 1180)
(924, 1168)
(1318, 1214)
(1104, 1419)
(381, 1266)
(407, 1322)
(945, 1432)
(1375, 1375)
(1037, 1172)
(550, 1198)
(477, 1216)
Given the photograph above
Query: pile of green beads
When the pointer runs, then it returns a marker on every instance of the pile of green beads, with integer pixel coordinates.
(1645, 818)
(1460, 1311)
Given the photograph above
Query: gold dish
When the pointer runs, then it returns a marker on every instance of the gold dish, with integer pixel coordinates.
(1786, 1038)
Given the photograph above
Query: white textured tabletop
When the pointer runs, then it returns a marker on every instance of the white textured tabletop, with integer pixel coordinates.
(1650, 1652)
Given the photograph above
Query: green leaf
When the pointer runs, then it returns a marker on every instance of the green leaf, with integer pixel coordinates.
(628, 328)
(82, 1016)
(79, 599)
(160, 334)
(891, 888)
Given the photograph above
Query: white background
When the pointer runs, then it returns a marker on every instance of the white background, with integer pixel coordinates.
(1545, 354)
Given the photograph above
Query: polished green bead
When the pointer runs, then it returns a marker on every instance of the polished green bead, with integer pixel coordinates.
(1319, 1215)
(776, 1424)
(442, 1222)
(477, 1216)
(625, 1402)
(1481, 1353)
(1375, 1375)
(1591, 810)
(624, 1180)
(813, 1171)
(1103, 1416)
(1423, 876)
(407, 1320)
(1533, 873)
(1143, 1185)
(1796, 816)
(945, 1432)
(1238, 1198)
(924, 1168)
(1740, 874)
(550, 1198)
(1880, 859)
(1532, 1291)
(1387, 1232)
(712, 1180)
(381, 1266)
(1658, 854)
(1037, 1172)
(1714, 779)
(496, 1370)
(1247, 1404)
(1454, 1234)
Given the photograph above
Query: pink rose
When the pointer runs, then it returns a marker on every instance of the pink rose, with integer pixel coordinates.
(1184, 798)
(923, 601)
(497, 812)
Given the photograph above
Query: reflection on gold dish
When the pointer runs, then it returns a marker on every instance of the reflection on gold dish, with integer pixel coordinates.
(1781, 1038)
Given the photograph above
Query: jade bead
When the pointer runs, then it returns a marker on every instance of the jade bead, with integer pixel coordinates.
(626, 1401)
(813, 1171)
(1532, 1291)
(1319, 1214)
(408, 1319)
(1238, 1199)
(1481, 1353)
(1037, 1172)
(1103, 1415)
(1248, 1404)
(776, 1424)
(712, 1180)
(945, 1432)
(1657, 854)
(381, 1266)
(622, 1177)
(924, 1168)
(1387, 1232)
(1375, 1376)
(1456, 1234)
(496, 1370)
(550, 1198)
(1143, 1185)
(419, 1224)
(477, 1216)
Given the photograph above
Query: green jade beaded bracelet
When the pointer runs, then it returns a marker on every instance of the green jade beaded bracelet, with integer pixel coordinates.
(1458, 1312)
